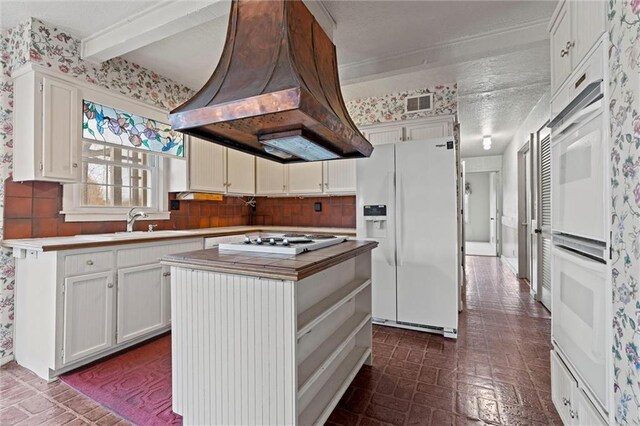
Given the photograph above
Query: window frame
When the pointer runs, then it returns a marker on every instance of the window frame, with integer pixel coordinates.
(72, 208)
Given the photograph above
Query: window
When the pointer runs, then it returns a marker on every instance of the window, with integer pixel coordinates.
(121, 165)
(116, 177)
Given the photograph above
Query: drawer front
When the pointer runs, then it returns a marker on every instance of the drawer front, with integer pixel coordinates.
(563, 389)
(153, 253)
(87, 263)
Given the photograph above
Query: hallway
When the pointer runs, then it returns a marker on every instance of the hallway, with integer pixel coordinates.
(496, 373)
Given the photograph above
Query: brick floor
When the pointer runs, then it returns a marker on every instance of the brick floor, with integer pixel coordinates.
(497, 372)
(25, 399)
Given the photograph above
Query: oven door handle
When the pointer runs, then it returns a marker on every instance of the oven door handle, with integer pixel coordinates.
(583, 261)
(580, 117)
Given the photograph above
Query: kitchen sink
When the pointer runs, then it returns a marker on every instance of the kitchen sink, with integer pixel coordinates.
(136, 235)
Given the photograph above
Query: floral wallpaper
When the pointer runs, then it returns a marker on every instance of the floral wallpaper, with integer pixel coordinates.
(381, 109)
(48, 46)
(624, 107)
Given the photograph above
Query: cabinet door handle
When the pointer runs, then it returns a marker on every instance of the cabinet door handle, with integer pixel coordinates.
(166, 274)
(320, 185)
(566, 402)
(90, 262)
(564, 52)
(573, 414)
(75, 165)
(326, 185)
(110, 285)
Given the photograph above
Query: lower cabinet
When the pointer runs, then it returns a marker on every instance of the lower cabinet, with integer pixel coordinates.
(573, 405)
(76, 306)
(88, 315)
(141, 301)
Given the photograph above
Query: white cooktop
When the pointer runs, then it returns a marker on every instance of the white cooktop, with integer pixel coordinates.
(283, 243)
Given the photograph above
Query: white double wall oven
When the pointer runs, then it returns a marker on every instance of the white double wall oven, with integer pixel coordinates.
(581, 290)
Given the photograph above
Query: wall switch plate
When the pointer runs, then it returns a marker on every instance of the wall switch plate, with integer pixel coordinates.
(174, 205)
(317, 206)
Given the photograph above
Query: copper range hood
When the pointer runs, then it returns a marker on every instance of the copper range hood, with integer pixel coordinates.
(275, 92)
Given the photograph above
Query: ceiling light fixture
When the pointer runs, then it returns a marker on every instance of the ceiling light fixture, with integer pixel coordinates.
(486, 142)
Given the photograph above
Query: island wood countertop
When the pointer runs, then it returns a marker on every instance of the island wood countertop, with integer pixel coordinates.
(270, 265)
(103, 240)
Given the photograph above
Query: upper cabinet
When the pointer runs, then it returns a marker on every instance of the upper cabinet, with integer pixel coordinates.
(340, 176)
(428, 130)
(241, 173)
(46, 129)
(305, 178)
(575, 28)
(385, 134)
(207, 166)
(212, 168)
(410, 130)
(270, 177)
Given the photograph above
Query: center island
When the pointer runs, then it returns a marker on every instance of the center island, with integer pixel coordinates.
(265, 338)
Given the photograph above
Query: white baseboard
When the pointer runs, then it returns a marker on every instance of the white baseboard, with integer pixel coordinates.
(6, 359)
(513, 268)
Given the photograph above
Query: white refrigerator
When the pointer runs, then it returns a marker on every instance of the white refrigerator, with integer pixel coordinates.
(407, 202)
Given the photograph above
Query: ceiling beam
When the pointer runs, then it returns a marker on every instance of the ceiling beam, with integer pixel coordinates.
(164, 20)
(452, 52)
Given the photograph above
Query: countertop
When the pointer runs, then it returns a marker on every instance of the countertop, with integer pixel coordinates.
(268, 265)
(102, 240)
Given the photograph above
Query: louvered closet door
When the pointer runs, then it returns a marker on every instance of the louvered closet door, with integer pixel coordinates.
(545, 222)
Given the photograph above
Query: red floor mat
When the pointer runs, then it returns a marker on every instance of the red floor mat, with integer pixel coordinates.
(135, 384)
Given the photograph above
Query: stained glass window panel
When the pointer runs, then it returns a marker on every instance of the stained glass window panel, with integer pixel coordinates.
(109, 125)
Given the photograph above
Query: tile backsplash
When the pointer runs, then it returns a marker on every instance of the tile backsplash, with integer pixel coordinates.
(336, 212)
(32, 210)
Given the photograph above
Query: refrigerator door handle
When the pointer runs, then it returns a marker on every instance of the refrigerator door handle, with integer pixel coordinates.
(400, 211)
(389, 253)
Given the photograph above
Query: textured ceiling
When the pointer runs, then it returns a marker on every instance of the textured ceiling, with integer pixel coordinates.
(495, 94)
(497, 87)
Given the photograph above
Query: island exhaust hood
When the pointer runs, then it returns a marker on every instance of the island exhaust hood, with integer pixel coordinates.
(275, 92)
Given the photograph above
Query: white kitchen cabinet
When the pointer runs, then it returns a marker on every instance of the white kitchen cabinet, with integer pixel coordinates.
(207, 166)
(241, 173)
(560, 40)
(270, 177)
(46, 129)
(576, 26)
(410, 130)
(590, 22)
(385, 135)
(76, 306)
(305, 178)
(340, 176)
(585, 413)
(88, 315)
(428, 130)
(570, 400)
(141, 301)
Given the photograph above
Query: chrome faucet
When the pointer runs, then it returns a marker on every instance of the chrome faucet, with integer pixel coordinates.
(132, 217)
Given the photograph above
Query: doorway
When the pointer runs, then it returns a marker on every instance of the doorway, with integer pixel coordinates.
(526, 252)
(481, 205)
